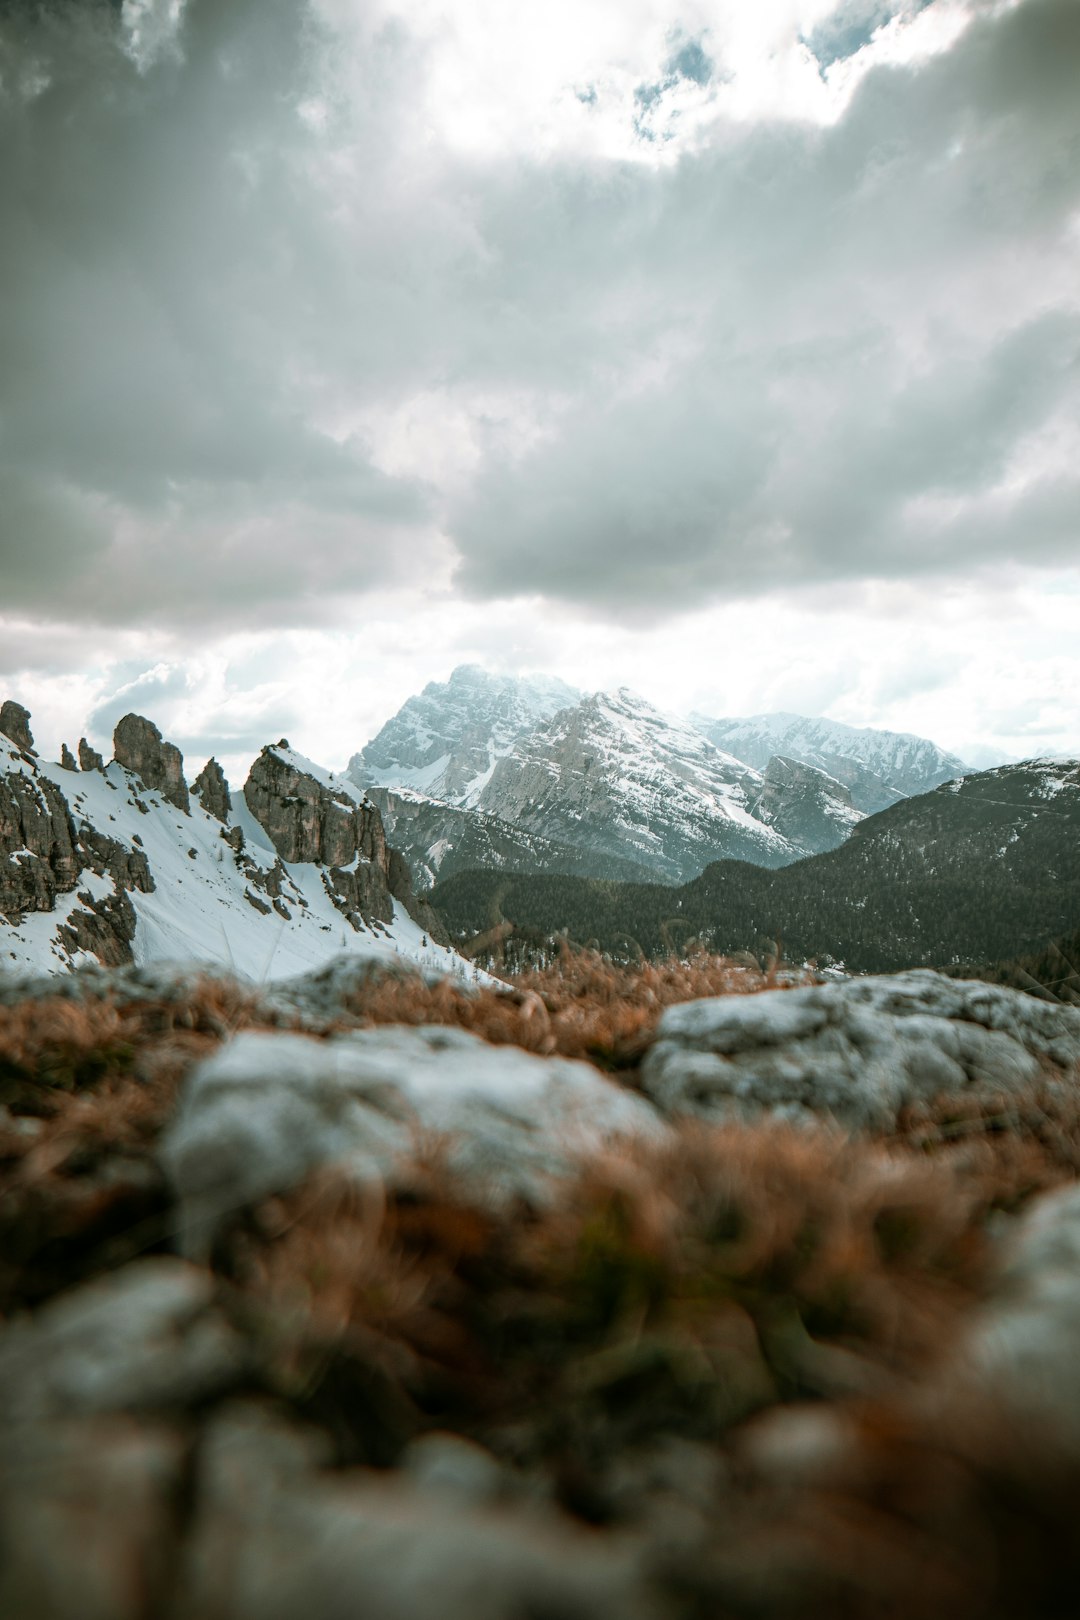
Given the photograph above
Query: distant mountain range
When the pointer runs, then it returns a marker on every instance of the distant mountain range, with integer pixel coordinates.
(981, 869)
(601, 784)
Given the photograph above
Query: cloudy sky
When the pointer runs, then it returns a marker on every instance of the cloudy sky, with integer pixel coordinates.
(725, 349)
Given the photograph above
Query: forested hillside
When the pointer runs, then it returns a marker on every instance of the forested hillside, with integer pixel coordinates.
(979, 870)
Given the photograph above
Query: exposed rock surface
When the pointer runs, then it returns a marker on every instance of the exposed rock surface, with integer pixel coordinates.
(439, 840)
(68, 762)
(857, 1050)
(89, 758)
(309, 815)
(812, 809)
(39, 858)
(143, 1339)
(445, 741)
(275, 1539)
(139, 746)
(15, 723)
(212, 789)
(267, 1109)
(1024, 1345)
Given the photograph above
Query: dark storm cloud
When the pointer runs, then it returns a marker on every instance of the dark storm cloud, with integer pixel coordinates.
(798, 354)
(162, 244)
(866, 338)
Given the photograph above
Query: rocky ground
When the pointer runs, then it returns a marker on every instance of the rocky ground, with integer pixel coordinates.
(671, 1293)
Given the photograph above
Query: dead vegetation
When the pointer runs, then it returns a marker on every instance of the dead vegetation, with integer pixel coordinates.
(702, 1295)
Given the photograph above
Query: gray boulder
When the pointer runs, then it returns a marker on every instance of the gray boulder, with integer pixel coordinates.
(276, 1539)
(856, 1051)
(144, 1338)
(267, 1109)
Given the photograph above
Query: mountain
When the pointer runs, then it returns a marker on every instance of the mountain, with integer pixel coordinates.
(981, 869)
(124, 862)
(617, 777)
(445, 742)
(877, 767)
(439, 839)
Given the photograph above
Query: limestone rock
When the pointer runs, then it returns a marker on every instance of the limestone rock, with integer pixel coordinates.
(89, 1516)
(1022, 1351)
(15, 723)
(267, 1109)
(68, 762)
(38, 854)
(307, 820)
(139, 746)
(812, 809)
(857, 1051)
(307, 817)
(212, 789)
(275, 1539)
(146, 1338)
(89, 758)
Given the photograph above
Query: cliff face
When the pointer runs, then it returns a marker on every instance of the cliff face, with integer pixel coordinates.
(139, 746)
(38, 854)
(309, 815)
(211, 788)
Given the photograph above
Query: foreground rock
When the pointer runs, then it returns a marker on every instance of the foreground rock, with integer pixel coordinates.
(276, 1540)
(268, 1109)
(145, 1339)
(857, 1051)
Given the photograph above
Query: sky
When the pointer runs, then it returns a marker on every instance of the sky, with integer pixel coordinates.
(724, 349)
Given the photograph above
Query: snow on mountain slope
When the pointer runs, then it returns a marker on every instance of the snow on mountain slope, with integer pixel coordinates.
(877, 767)
(202, 898)
(616, 776)
(445, 741)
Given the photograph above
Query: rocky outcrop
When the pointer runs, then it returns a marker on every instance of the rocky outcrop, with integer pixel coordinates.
(810, 808)
(308, 818)
(268, 1109)
(139, 746)
(857, 1051)
(39, 858)
(15, 723)
(89, 758)
(103, 927)
(68, 762)
(212, 790)
(128, 868)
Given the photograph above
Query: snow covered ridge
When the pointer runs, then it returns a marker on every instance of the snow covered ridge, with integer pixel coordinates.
(877, 767)
(607, 776)
(120, 862)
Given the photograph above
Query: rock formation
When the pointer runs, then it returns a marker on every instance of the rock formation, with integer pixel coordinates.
(38, 854)
(309, 819)
(212, 790)
(68, 762)
(15, 723)
(857, 1051)
(139, 746)
(89, 758)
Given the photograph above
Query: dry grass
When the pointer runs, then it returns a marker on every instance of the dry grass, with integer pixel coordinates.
(583, 1007)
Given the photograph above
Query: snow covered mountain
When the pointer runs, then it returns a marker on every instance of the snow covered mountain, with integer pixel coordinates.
(600, 786)
(615, 776)
(446, 741)
(439, 840)
(119, 862)
(877, 767)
